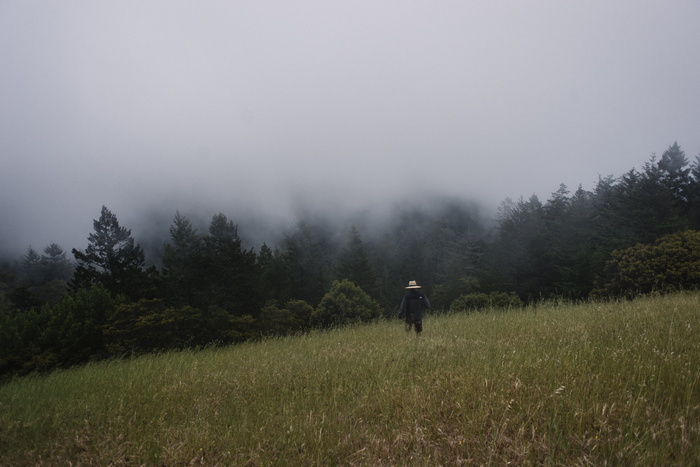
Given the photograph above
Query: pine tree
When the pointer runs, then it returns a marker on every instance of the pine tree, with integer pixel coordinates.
(227, 275)
(112, 259)
(274, 277)
(55, 265)
(354, 265)
(694, 194)
(307, 255)
(675, 174)
(31, 268)
(179, 262)
(521, 249)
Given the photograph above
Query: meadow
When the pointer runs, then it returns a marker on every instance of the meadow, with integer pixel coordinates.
(613, 383)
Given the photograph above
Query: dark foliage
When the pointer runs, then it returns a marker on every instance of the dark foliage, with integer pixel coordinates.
(672, 263)
(345, 303)
(152, 325)
(481, 301)
(113, 260)
(632, 234)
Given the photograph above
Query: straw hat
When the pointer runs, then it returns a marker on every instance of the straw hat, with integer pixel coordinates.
(413, 285)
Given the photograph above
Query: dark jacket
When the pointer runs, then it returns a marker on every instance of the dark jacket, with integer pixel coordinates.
(412, 306)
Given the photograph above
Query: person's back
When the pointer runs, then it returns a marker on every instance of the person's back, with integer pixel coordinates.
(412, 306)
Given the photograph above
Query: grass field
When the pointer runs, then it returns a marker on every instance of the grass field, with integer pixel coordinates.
(557, 384)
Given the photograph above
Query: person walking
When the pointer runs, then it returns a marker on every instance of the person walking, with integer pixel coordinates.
(411, 308)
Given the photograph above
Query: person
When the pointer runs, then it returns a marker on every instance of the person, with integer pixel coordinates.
(411, 308)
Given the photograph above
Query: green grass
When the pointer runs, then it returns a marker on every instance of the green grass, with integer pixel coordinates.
(559, 384)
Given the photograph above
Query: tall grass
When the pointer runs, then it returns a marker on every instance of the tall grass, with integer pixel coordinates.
(557, 384)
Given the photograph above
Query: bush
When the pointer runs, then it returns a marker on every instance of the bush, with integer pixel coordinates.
(74, 325)
(481, 301)
(345, 303)
(153, 325)
(294, 317)
(240, 329)
(67, 333)
(671, 263)
(20, 334)
(444, 294)
(301, 313)
(274, 321)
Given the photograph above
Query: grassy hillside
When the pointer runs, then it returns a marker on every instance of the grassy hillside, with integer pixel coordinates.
(556, 385)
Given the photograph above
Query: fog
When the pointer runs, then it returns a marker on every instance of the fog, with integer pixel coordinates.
(262, 109)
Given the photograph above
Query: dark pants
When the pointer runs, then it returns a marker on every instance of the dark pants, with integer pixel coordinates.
(417, 324)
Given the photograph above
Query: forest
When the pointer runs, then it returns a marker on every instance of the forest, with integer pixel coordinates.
(630, 235)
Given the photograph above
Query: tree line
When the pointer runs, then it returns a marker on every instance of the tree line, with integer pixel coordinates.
(212, 289)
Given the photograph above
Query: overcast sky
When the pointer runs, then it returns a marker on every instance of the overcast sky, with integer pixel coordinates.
(262, 105)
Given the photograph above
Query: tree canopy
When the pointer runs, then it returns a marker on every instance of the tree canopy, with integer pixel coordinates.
(637, 233)
(112, 259)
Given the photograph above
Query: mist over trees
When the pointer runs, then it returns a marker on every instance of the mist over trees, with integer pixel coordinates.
(619, 239)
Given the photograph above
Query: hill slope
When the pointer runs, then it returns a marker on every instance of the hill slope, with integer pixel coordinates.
(556, 384)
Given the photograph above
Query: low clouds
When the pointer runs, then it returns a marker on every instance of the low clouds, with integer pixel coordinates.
(262, 106)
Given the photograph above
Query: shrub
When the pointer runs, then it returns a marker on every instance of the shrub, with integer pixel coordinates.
(153, 325)
(480, 301)
(274, 321)
(74, 325)
(294, 317)
(67, 333)
(671, 263)
(301, 313)
(240, 329)
(345, 303)
(20, 333)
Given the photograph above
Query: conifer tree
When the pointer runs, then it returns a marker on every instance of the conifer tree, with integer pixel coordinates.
(274, 275)
(520, 249)
(55, 265)
(31, 268)
(354, 265)
(307, 255)
(227, 275)
(112, 259)
(180, 257)
(694, 194)
(675, 174)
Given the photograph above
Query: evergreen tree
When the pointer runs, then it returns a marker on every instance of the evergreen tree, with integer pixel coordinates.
(73, 331)
(154, 325)
(274, 277)
(112, 259)
(56, 272)
(520, 250)
(694, 194)
(228, 276)
(22, 298)
(453, 250)
(569, 231)
(412, 255)
(354, 265)
(31, 268)
(637, 207)
(55, 265)
(576, 247)
(663, 190)
(180, 255)
(608, 228)
(675, 175)
(44, 277)
(309, 261)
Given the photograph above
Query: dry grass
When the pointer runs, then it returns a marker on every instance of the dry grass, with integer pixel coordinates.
(558, 384)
